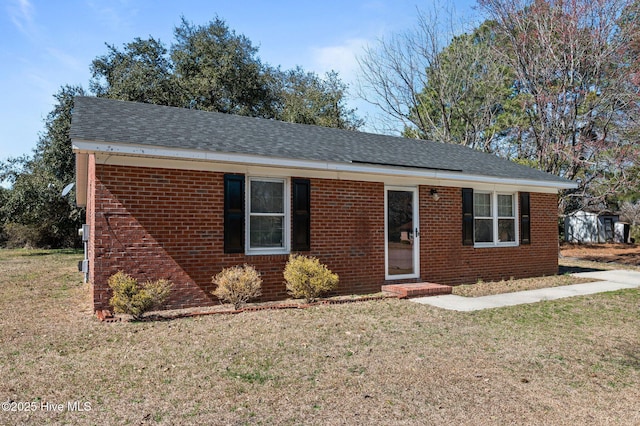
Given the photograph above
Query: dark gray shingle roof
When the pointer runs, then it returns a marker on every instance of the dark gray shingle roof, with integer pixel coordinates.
(113, 121)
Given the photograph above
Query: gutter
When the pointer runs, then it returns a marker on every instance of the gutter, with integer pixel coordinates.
(136, 150)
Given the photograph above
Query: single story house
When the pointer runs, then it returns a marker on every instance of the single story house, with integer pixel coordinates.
(584, 226)
(181, 194)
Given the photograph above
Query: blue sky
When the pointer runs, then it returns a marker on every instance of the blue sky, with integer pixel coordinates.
(46, 44)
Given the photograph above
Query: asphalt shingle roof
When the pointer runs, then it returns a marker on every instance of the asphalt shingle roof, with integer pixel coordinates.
(113, 121)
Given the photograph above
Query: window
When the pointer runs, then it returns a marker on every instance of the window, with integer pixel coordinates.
(268, 215)
(483, 220)
(494, 219)
(264, 214)
(506, 219)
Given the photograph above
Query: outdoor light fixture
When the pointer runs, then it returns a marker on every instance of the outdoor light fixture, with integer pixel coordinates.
(434, 194)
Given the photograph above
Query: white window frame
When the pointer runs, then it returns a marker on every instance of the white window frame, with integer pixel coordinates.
(495, 217)
(286, 214)
(491, 217)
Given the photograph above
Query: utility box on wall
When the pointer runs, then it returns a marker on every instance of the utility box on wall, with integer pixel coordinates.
(83, 265)
(84, 232)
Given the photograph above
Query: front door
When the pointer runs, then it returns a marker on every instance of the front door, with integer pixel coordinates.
(402, 233)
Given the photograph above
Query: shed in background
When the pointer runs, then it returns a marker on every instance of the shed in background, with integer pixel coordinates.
(592, 227)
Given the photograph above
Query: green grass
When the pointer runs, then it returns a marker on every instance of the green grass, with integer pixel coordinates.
(571, 361)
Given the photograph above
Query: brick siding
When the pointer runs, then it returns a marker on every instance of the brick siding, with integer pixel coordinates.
(166, 223)
(444, 260)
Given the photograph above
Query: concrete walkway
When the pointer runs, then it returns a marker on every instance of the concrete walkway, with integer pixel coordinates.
(611, 281)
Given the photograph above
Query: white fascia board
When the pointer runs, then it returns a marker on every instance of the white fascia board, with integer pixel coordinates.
(133, 150)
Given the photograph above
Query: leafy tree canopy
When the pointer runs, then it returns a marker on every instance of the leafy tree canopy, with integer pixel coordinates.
(141, 72)
(210, 67)
(306, 98)
(33, 211)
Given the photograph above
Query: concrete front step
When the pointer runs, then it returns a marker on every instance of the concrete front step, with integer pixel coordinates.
(416, 289)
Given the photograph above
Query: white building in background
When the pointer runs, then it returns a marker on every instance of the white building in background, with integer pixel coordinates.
(590, 227)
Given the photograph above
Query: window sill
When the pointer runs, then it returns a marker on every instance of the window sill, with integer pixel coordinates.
(260, 252)
(494, 245)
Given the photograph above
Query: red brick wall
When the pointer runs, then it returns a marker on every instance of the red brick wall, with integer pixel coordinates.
(444, 260)
(165, 223)
(162, 223)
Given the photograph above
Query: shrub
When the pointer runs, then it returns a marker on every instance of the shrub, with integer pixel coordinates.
(635, 233)
(237, 285)
(158, 291)
(17, 235)
(131, 298)
(307, 278)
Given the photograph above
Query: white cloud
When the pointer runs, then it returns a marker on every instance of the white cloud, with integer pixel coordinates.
(341, 58)
(21, 14)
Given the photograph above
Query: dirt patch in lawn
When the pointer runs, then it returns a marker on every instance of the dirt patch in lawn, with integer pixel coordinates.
(625, 254)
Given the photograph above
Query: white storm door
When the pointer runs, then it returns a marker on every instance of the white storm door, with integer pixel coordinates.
(402, 233)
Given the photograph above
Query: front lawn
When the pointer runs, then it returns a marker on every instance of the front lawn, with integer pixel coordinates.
(572, 361)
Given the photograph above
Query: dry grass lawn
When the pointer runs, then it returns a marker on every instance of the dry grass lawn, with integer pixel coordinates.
(566, 362)
(486, 288)
(619, 254)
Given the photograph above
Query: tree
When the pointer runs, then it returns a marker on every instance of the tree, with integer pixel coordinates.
(630, 212)
(467, 95)
(34, 212)
(548, 83)
(220, 71)
(212, 68)
(570, 74)
(142, 72)
(308, 99)
(452, 93)
(208, 67)
(393, 74)
(628, 38)
(4, 196)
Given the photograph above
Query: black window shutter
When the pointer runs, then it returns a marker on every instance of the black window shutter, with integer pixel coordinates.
(233, 213)
(525, 219)
(467, 216)
(301, 215)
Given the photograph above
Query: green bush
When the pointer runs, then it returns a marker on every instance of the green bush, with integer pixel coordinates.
(131, 298)
(307, 278)
(635, 233)
(20, 236)
(237, 285)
